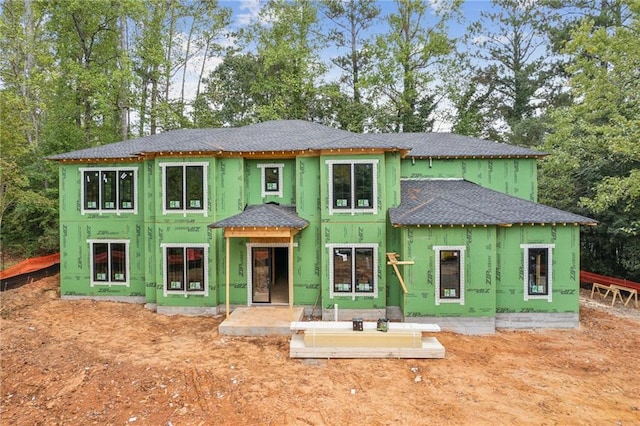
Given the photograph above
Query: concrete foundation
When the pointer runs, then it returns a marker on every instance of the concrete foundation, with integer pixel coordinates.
(538, 320)
(124, 299)
(462, 325)
(187, 311)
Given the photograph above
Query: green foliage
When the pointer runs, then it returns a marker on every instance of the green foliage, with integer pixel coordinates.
(404, 65)
(595, 167)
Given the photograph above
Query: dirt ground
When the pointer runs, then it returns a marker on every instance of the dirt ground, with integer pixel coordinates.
(87, 362)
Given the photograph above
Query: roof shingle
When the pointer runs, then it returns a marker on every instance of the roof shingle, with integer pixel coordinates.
(264, 215)
(459, 202)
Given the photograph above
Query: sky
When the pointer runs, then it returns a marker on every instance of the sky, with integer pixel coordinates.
(247, 11)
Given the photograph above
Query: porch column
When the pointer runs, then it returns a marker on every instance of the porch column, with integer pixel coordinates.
(291, 276)
(226, 272)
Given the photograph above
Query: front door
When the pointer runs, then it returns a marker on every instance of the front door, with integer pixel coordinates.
(269, 275)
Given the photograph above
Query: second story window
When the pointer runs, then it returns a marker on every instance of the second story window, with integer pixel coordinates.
(184, 188)
(271, 179)
(109, 190)
(353, 186)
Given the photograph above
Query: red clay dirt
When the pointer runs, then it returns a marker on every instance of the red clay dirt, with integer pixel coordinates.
(86, 362)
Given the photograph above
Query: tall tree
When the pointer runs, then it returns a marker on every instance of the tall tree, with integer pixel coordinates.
(405, 64)
(595, 166)
(287, 45)
(350, 21)
(513, 56)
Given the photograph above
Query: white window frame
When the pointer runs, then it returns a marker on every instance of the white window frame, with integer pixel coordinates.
(126, 256)
(184, 211)
(263, 179)
(353, 210)
(525, 262)
(437, 250)
(205, 269)
(118, 211)
(353, 294)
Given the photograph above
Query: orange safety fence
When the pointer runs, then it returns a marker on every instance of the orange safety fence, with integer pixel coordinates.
(29, 270)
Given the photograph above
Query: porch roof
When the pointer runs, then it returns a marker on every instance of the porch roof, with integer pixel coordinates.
(264, 216)
(459, 202)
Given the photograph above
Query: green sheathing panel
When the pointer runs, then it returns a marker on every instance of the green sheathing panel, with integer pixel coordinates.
(182, 229)
(513, 176)
(149, 198)
(356, 228)
(308, 254)
(565, 272)
(392, 185)
(76, 229)
(229, 196)
(479, 271)
(253, 181)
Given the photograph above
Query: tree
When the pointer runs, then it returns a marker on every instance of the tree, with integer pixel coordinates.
(405, 58)
(595, 166)
(513, 60)
(228, 98)
(287, 45)
(351, 19)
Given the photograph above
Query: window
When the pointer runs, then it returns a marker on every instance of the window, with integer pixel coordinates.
(185, 269)
(109, 262)
(353, 186)
(353, 270)
(271, 179)
(537, 267)
(449, 274)
(109, 190)
(184, 187)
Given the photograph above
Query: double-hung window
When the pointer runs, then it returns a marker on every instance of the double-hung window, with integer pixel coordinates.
(109, 190)
(353, 186)
(185, 268)
(271, 179)
(537, 266)
(353, 269)
(449, 274)
(184, 188)
(109, 263)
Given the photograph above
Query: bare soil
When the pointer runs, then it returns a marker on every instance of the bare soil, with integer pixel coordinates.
(87, 362)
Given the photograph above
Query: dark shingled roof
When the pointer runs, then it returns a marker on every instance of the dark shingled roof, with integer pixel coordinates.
(279, 135)
(264, 215)
(296, 135)
(459, 202)
(452, 145)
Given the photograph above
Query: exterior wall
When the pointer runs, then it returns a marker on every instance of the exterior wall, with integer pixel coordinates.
(420, 278)
(76, 229)
(253, 182)
(511, 307)
(347, 228)
(179, 228)
(307, 255)
(513, 176)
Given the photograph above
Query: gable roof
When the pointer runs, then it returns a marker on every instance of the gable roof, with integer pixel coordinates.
(264, 215)
(294, 135)
(459, 202)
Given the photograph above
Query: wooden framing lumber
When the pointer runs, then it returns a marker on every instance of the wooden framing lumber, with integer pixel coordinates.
(430, 347)
(633, 293)
(394, 262)
(367, 325)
